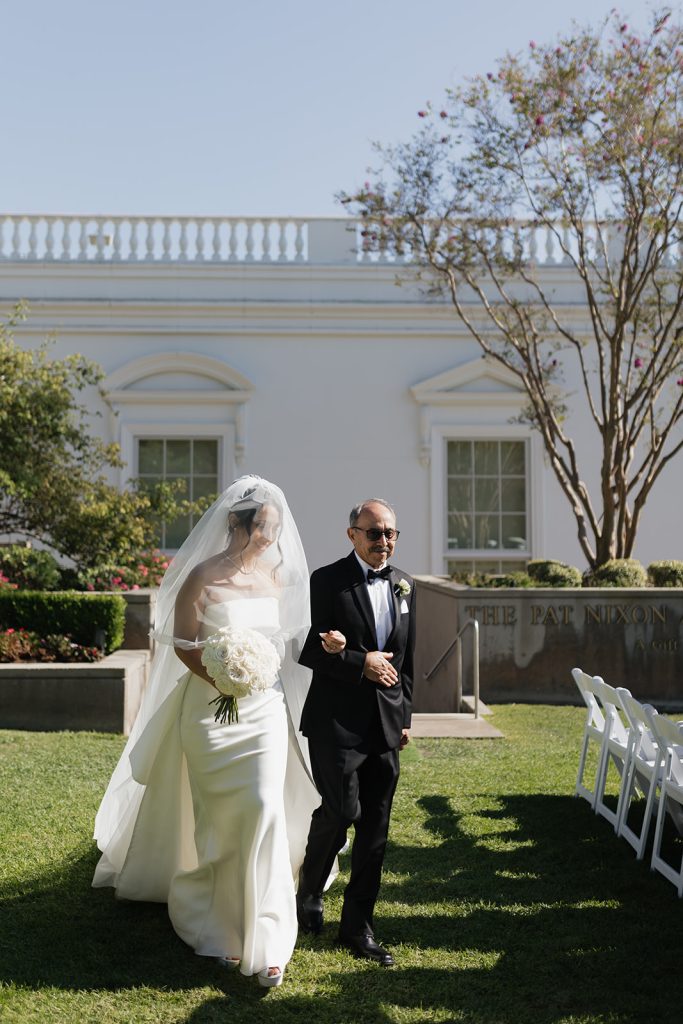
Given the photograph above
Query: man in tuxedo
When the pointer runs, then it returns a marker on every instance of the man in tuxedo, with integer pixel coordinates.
(356, 718)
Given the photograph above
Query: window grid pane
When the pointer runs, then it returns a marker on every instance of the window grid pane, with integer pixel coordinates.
(195, 461)
(151, 456)
(486, 499)
(494, 567)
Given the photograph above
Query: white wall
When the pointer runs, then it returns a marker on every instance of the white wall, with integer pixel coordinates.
(331, 353)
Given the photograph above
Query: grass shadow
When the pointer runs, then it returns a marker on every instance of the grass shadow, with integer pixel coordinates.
(528, 909)
(545, 888)
(55, 930)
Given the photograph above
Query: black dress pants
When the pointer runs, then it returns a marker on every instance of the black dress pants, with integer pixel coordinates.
(357, 787)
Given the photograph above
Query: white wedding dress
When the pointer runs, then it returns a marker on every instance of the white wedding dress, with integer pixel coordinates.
(223, 817)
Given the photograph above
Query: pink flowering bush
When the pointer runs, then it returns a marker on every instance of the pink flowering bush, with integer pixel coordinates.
(30, 568)
(23, 645)
(144, 570)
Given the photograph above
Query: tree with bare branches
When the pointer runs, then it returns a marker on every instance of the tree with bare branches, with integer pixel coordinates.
(578, 144)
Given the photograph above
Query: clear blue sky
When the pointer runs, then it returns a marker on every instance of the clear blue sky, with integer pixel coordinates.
(233, 108)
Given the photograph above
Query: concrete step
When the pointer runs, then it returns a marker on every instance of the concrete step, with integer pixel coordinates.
(463, 726)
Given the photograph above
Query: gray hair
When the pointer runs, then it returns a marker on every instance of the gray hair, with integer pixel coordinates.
(355, 512)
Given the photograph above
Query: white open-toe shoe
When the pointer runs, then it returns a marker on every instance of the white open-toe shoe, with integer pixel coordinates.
(267, 980)
(230, 962)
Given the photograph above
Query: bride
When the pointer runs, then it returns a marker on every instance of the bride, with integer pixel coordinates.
(213, 818)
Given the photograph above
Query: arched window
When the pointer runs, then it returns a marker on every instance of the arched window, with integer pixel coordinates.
(179, 415)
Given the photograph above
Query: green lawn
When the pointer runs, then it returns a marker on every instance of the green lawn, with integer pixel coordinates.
(505, 901)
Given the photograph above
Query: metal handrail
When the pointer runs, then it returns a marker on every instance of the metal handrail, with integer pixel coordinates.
(457, 645)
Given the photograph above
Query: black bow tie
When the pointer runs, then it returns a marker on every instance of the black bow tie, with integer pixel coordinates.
(383, 574)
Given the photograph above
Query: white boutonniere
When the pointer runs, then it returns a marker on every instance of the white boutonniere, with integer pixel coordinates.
(402, 588)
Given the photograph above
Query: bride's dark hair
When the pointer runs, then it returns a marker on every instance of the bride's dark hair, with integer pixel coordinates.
(245, 518)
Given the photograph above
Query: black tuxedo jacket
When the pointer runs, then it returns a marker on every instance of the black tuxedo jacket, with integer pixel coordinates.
(342, 704)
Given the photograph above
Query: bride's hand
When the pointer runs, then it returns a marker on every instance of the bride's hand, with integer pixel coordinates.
(333, 642)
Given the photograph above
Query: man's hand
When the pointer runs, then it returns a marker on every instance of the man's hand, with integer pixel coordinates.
(405, 739)
(333, 642)
(378, 668)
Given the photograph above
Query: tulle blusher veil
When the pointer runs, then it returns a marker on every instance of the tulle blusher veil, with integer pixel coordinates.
(153, 748)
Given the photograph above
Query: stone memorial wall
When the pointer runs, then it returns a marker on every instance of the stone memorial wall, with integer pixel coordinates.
(531, 639)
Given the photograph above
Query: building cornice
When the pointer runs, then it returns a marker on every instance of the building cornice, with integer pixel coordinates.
(268, 318)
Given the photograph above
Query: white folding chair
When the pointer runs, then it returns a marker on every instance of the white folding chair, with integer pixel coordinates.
(669, 737)
(644, 767)
(617, 747)
(593, 732)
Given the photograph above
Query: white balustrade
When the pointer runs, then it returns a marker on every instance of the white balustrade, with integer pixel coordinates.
(566, 244)
(166, 256)
(83, 241)
(549, 247)
(50, 241)
(216, 240)
(199, 241)
(32, 238)
(187, 240)
(282, 242)
(116, 254)
(299, 241)
(250, 242)
(133, 240)
(533, 245)
(16, 240)
(66, 242)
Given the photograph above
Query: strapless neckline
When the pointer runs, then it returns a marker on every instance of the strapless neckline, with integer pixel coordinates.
(260, 613)
(238, 600)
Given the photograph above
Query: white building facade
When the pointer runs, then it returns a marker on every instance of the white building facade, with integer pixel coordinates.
(273, 346)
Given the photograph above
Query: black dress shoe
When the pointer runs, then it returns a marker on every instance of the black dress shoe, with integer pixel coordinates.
(309, 912)
(365, 948)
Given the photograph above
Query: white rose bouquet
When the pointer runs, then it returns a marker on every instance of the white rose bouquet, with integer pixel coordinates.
(240, 661)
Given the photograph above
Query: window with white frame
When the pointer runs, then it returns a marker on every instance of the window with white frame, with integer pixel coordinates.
(194, 460)
(487, 505)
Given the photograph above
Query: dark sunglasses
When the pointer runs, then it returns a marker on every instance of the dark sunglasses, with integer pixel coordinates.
(374, 534)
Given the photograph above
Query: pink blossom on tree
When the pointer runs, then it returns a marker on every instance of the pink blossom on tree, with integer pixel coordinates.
(583, 140)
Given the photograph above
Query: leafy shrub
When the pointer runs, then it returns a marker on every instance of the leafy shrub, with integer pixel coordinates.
(16, 645)
(23, 645)
(53, 467)
(549, 573)
(83, 617)
(30, 569)
(468, 579)
(5, 583)
(144, 570)
(510, 579)
(666, 574)
(618, 572)
(488, 579)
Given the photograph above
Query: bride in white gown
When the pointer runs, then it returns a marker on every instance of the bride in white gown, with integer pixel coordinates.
(213, 818)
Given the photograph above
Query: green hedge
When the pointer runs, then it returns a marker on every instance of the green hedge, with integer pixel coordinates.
(80, 616)
(554, 574)
(666, 574)
(510, 579)
(618, 572)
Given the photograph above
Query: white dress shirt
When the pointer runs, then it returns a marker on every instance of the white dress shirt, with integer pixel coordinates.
(382, 605)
